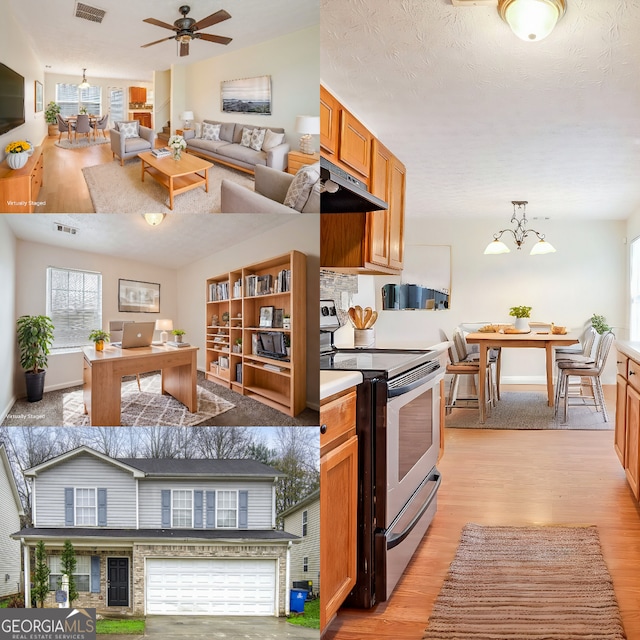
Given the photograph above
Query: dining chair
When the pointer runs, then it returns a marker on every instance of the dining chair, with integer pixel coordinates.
(100, 125)
(584, 355)
(585, 370)
(494, 359)
(82, 125)
(63, 127)
(116, 328)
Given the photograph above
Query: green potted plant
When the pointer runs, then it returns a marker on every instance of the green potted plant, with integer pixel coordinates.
(599, 323)
(35, 337)
(287, 343)
(178, 333)
(51, 116)
(237, 345)
(521, 314)
(99, 337)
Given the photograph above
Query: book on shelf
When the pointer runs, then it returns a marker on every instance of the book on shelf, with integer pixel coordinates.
(218, 291)
(170, 343)
(272, 367)
(237, 288)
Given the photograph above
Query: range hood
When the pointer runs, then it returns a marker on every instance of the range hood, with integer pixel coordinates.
(342, 193)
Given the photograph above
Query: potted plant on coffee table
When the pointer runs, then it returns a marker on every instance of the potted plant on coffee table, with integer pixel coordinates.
(521, 314)
(99, 337)
(178, 333)
(51, 116)
(35, 337)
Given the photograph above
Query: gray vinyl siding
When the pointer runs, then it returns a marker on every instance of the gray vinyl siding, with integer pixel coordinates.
(85, 471)
(310, 545)
(10, 558)
(259, 508)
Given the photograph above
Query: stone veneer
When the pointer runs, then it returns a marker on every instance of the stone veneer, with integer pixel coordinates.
(226, 550)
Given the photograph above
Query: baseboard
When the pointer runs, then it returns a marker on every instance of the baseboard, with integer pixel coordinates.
(5, 411)
(63, 385)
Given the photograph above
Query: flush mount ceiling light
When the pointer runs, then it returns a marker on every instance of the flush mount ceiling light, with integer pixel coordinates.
(531, 20)
(84, 84)
(519, 234)
(154, 219)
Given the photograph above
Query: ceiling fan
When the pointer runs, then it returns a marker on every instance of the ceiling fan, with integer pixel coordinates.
(186, 28)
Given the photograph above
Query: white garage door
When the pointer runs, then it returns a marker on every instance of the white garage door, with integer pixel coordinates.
(211, 587)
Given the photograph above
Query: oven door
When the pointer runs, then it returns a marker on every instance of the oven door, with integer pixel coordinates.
(412, 439)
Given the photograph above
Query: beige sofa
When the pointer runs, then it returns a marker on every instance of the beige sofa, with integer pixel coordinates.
(230, 152)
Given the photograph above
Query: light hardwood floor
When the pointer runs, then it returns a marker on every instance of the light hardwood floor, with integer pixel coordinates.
(502, 477)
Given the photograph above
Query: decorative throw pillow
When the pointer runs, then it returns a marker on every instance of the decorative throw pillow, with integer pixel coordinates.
(210, 131)
(198, 129)
(257, 138)
(129, 129)
(301, 186)
(272, 140)
(246, 137)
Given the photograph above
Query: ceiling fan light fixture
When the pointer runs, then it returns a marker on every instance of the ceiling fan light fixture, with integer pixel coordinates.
(84, 84)
(532, 20)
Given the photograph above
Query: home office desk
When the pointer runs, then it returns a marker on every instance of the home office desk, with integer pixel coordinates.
(544, 341)
(103, 371)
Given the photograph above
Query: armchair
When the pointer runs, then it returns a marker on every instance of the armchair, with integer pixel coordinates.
(130, 147)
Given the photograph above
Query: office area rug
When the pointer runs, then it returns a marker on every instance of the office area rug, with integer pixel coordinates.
(527, 583)
(81, 143)
(116, 189)
(148, 407)
(529, 410)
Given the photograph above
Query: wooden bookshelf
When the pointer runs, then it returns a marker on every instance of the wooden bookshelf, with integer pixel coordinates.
(234, 301)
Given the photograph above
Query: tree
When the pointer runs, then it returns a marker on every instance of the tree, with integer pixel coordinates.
(41, 573)
(69, 562)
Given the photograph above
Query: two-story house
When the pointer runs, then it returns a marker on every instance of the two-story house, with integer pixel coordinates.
(303, 520)
(163, 536)
(11, 510)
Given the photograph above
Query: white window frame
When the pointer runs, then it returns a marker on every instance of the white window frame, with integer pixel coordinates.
(71, 108)
(81, 571)
(634, 289)
(305, 564)
(76, 506)
(305, 523)
(174, 509)
(219, 508)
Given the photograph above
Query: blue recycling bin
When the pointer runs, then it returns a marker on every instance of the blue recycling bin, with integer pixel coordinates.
(296, 600)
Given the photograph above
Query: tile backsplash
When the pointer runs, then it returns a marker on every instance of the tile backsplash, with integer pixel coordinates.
(332, 287)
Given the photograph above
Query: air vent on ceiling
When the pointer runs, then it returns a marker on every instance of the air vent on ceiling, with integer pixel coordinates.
(87, 12)
(65, 228)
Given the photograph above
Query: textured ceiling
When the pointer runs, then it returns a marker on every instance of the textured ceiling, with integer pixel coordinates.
(112, 49)
(179, 240)
(481, 118)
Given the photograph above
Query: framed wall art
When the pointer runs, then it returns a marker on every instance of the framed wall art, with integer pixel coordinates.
(138, 297)
(266, 317)
(38, 97)
(247, 95)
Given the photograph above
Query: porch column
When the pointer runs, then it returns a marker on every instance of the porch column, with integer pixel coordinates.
(27, 575)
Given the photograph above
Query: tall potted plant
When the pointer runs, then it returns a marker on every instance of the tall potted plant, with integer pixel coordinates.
(35, 337)
(51, 116)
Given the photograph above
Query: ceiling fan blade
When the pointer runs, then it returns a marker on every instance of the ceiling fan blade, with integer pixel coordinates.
(159, 23)
(157, 41)
(211, 38)
(214, 18)
(184, 49)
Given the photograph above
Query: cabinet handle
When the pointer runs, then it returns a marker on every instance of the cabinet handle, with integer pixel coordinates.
(632, 372)
(323, 429)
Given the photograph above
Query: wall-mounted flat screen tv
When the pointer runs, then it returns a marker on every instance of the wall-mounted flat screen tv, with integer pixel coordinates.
(11, 99)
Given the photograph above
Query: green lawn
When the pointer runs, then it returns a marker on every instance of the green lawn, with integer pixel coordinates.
(311, 616)
(4, 603)
(123, 626)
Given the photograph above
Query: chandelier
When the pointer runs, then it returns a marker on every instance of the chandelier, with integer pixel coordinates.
(519, 233)
(84, 84)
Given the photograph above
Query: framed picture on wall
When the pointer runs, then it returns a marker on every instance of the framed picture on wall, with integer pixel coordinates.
(38, 97)
(247, 95)
(136, 296)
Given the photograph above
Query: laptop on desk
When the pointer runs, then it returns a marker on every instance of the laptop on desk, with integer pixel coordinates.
(136, 334)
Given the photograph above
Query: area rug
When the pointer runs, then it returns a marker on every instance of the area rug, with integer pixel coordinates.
(529, 410)
(148, 407)
(82, 143)
(527, 583)
(116, 189)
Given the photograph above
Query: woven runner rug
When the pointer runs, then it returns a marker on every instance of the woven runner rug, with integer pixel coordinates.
(527, 583)
(148, 408)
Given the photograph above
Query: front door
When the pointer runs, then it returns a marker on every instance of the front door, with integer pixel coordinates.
(118, 582)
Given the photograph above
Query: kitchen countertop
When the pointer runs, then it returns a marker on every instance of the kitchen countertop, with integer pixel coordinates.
(336, 381)
(629, 348)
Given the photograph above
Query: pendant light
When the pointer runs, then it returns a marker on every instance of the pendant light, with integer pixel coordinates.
(84, 84)
(531, 20)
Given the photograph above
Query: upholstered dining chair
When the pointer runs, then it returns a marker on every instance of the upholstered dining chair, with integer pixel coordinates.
(494, 360)
(63, 127)
(82, 125)
(100, 125)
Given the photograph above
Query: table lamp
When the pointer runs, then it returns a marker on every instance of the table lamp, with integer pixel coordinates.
(187, 116)
(163, 326)
(308, 126)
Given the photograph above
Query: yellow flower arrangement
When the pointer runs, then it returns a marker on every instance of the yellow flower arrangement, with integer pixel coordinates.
(17, 147)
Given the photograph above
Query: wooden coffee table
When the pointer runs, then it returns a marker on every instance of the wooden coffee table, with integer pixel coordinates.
(177, 175)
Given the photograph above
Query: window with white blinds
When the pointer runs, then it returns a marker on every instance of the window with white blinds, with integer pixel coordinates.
(116, 104)
(71, 99)
(74, 304)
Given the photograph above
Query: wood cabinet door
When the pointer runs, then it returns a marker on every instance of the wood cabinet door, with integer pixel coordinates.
(338, 527)
(396, 214)
(355, 145)
(378, 221)
(620, 438)
(632, 453)
(329, 122)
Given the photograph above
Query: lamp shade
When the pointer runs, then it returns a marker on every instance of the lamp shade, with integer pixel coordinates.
(496, 247)
(541, 247)
(308, 125)
(164, 325)
(186, 115)
(531, 20)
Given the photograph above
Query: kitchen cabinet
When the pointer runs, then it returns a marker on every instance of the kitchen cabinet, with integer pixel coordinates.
(143, 117)
(338, 502)
(138, 95)
(329, 123)
(620, 437)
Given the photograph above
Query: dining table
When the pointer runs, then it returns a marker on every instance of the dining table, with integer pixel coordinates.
(92, 120)
(532, 339)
